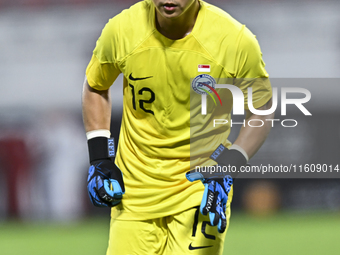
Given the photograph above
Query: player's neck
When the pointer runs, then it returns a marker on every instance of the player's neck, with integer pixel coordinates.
(178, 28)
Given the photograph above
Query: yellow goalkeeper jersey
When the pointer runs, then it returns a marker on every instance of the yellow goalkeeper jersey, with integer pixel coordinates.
(159, 123)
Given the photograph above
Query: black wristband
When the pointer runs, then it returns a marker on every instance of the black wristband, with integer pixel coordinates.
(101, 148)
(225, 157)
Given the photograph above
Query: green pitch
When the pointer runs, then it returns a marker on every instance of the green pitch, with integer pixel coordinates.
(285, 233)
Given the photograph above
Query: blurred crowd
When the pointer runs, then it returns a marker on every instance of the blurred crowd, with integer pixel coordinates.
(43, 164)
(35, 3)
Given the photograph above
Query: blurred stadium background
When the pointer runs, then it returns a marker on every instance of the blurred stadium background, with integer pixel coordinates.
(45, 47)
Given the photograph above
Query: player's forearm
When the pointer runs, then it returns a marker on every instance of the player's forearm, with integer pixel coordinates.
(252, 138)
(96, 106)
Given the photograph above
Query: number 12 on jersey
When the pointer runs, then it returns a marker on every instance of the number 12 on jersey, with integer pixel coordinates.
(142, 91)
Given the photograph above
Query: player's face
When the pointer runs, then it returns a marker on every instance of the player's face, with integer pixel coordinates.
(172, 8)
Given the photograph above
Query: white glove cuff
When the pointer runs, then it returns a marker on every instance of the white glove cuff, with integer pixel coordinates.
(98, 133)
(240, 149)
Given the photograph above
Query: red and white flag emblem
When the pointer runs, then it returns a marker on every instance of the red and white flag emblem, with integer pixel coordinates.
(203, 68)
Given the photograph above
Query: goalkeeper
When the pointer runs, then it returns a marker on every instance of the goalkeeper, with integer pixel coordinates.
(171, 54)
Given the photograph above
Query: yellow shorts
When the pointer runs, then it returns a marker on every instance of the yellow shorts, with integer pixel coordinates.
(188, 232)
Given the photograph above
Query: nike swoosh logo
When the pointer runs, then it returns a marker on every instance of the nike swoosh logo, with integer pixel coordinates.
(198, 247)
(138, 79)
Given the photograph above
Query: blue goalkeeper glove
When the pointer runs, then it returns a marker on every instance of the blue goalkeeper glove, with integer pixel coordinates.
(105, 184)
(215, 197)
(104, 175)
